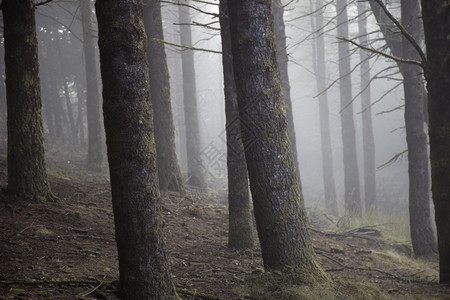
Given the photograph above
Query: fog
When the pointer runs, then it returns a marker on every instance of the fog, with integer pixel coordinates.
(389, 133)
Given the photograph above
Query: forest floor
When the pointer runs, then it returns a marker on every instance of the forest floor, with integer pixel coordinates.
(68, 250)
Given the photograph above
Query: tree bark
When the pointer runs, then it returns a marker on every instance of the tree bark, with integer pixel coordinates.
(283, 60)
(168, 169)
(370, 183)
(143, 264)
(240, 219)
(351, 172)
(325, 135)
(27, 176)
(195, 168)
(3, 126)
(95, 155)
(436, 19)
(278, 203)
(422, 236)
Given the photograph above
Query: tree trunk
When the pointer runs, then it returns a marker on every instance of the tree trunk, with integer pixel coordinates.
(422, 236)
(370, 183)
(54, 99)
(168, 168)
(95, 155)
(351, 173)
(325, 135)
(143, 265)
(64, 83)
(195, 167)
(277, 199)
(282, 56)
(3, 130)
(240, 234)
(436, 19)
(27, 176)
(80, 119)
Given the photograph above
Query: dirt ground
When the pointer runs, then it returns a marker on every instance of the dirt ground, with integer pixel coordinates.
(68, 251)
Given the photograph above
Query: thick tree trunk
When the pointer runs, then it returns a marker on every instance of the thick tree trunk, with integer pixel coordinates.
(195, 167)
(370, 183)
(325, 135)
(436, 19)
(168, 169)
(240, 234)
(95, 155)
(3, 130)
(26, 164)
(282, 56)
(143, 265)
(422, 236)
(351, 172)
(278, 204)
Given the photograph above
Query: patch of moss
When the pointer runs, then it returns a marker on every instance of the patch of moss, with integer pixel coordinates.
(45, 294)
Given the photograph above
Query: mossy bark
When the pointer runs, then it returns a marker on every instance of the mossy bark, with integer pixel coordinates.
(329, 186)
(194, 164)
(282, 56)
(26, 164)
(143, 264)
(277, 199)
(422, 235)
(370, 180)
(436, 20)
(240, 220)
(168, 169)
(95, 156)
(351, 171)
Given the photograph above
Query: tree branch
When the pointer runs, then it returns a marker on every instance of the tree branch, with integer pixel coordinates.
(395, 58)
(405, 33)
(187, 47)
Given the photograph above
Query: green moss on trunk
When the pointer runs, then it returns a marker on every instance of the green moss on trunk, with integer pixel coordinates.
(26, 164)
(240, 226)
(168, 169)
(143, 265)
(278, 204)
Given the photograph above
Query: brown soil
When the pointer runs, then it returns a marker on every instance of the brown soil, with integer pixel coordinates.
(68, 250)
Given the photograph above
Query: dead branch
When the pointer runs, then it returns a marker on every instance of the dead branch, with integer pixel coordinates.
(405, 33)
(187, 47)
(395, 58)
(214, 15)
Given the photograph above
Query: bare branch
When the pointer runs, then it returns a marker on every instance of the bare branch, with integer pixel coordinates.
(395, 58)
(393, 159)
(215, 15)
(391, 110)
(187, 47)
(62, 24)
(405, 33)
